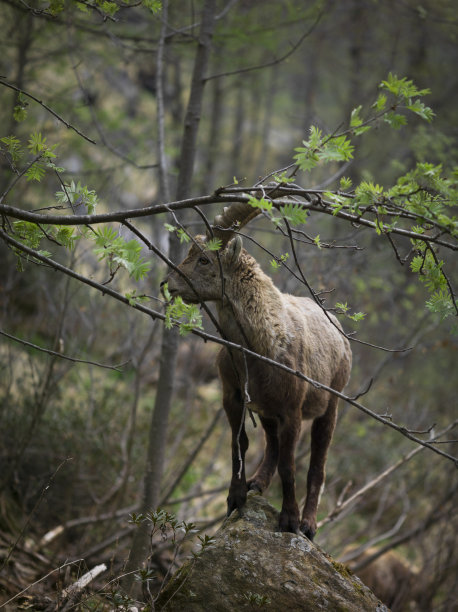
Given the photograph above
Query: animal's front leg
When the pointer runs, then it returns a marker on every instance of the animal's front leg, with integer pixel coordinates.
(233, 405)
(322, 430)
(289, 515)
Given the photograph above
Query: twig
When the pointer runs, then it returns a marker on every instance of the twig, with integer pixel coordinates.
(29, 586)
(68, 125)
(272, 62)
(191, 457)
(435, 515)
(20, 175)
(449, 285)
(343, 505)
(34, 509)
(61, 356)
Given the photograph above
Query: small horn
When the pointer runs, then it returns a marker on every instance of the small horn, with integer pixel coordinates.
(233, 217)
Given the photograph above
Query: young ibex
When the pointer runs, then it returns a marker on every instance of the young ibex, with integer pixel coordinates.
(291, 330)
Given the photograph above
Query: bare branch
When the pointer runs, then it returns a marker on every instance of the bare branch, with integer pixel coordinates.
(344, 504)
(272, 62)
(117, 367)
(25, 93)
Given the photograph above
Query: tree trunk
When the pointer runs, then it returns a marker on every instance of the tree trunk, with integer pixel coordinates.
(159, 423)
(208, 178)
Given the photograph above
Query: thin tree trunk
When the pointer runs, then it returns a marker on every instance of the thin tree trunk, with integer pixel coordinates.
(262, 157)
(214, 136)
(237, 168)
(159, 423)
(192, 118)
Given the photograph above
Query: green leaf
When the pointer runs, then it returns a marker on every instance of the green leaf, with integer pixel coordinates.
(441, 303)
(357, 316)
(56, 6)
(116, 250)
(366, 193)
(214, 244)
(343, 306)
(294, 213)
(395, 120)
(307, 156)
(19, 113)
(337, 149)
(109, 8)
(380, 103)
(402, 88)
(20, 110)
(356, 122)
(36, 172)
(187, 316)
(183, 236)
(29, 233)
(13, 147)
(345, 183)
(155, 6)
(65, 235)
(276, 263)
(261, 203)
(425, 112)
(77, 194)
(283, 178)
(327, 149)
(37, 143)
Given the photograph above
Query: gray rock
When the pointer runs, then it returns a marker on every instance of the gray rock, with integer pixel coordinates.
(253, 566)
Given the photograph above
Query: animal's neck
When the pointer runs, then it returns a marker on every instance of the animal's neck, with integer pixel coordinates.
(253, 314)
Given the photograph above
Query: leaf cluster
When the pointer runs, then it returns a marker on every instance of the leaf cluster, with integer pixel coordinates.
(42, 155)
(186, 316)
(120, 252)
(402, 95)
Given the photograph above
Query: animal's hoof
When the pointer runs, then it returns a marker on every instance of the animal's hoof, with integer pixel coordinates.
(236, 500)
(253, 485)
(289, 522)
(308, 530)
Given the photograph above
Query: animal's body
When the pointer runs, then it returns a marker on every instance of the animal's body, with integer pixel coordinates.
(291, 330)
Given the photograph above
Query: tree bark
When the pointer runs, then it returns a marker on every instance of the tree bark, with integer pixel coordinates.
(159, 423)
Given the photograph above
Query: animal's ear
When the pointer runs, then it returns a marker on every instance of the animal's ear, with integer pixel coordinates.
(232, 251)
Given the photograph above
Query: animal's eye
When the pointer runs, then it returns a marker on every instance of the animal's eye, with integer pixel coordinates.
(204, 261)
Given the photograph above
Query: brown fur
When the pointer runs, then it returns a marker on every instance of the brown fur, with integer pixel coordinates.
(291, 330)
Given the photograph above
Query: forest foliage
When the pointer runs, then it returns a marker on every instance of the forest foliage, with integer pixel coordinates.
(337, 123)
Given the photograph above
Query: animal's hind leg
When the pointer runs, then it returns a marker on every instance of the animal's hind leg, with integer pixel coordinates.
(322, 430)
(263, 476)
(289, 515)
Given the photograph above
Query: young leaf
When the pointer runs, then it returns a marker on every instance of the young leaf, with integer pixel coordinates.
(13, 147)
(395, 120)
(214, 244)
(356, 122)
(260, 203)
(345, 183)
(294, 213)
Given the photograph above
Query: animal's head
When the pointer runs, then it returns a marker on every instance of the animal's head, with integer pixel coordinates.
(205, 269)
